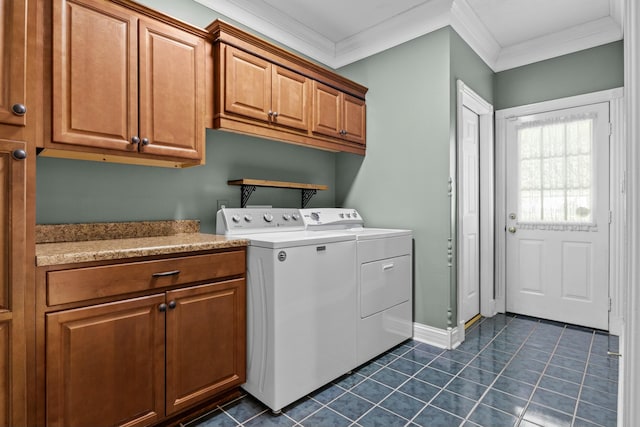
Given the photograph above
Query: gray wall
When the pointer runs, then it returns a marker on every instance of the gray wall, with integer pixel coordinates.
(402, 181)
(81, 191)
(581, 72)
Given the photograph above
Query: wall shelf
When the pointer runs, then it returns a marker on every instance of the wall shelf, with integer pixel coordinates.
(248, 186)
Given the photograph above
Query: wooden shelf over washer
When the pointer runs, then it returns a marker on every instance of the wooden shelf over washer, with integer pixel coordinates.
(248, 185)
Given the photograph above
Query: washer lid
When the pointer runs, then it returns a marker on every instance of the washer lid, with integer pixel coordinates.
(295, 238)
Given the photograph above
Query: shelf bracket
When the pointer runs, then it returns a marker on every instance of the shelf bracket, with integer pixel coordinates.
(246, 193)
(307, 195)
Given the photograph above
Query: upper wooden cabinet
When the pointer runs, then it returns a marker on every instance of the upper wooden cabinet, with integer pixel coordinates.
(337, 114)
(13, 55)
(261, 89)
(127, 86)
(257, 89)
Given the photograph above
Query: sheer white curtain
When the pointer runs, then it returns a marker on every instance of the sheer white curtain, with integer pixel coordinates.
(556, 182)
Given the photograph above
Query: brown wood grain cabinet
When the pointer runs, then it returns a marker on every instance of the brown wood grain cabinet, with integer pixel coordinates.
(337, 114)
(145, 355)
(13, 267)
(127, 86)
(13, 55)
(263, 90)
(257, 89)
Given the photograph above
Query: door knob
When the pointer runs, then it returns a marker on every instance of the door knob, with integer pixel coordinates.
(512, 229)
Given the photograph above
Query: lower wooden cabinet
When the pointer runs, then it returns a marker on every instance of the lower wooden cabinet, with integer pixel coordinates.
(140, 361)
(205, 342)
(105, 364)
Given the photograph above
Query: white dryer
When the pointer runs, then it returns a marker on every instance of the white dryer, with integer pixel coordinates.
(301, 296)
(384, 274)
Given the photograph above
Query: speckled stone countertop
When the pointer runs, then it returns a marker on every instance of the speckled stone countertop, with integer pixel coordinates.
(111, 241)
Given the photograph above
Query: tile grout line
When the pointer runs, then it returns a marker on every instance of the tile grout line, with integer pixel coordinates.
(490, 386)
(535, 388)
(458, 373)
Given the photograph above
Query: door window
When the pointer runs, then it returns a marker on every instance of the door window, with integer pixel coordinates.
(556, 182)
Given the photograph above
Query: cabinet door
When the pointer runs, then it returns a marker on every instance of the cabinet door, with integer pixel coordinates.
(172, 91)
(13, 49)
(95, 69)
(290, 92)
(327, 110)
(105, 364)
(354, 119)
(206, 349)
(12, 285)
(247, 85)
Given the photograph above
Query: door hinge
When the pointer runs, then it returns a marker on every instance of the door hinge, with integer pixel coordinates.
(610, 304)
(610, 217)
(610, 129)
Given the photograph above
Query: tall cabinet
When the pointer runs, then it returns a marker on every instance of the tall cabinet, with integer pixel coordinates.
(14, 207)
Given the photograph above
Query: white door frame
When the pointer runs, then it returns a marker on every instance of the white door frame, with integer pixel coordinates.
(617, 251)
(629, 395)
(474, 102)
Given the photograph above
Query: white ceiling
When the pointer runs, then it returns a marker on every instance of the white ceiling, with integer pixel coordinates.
(505, 33)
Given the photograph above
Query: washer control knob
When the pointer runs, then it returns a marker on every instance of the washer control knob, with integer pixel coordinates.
(236, 218)
(286, 217)
(248, 218)
(355, 214)
(341, 215)
(315, 216)
(268, 217)
(295, 217)
(348, 215)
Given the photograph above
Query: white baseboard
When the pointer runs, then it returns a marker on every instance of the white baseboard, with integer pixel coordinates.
(449, 338)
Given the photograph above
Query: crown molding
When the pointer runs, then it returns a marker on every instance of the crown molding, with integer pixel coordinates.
(413, 23)
(467, 24)
(420, 20)
(270, 22)
(580, 37)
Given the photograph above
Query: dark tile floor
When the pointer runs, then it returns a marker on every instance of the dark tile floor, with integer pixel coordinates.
(510, 371)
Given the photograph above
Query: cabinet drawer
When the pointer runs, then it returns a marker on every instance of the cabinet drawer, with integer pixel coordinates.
(66, 286)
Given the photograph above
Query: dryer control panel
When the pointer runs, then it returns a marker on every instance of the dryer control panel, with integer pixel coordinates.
(331, 217)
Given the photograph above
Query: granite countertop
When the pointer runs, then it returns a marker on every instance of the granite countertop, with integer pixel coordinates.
(140, 240)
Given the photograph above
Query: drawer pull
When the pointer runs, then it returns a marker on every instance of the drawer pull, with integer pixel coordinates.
(166, 273)
(321, 248)
(387, 267)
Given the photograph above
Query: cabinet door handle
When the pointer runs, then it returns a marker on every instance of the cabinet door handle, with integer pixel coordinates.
(172, 304)
(145, 141)
(166, 273)
(162, 307)
(19, 109)
(387, 267)
(135, 139)
(19, 154)
(275, 114)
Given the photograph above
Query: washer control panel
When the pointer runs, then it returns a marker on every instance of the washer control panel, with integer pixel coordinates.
(257, 220)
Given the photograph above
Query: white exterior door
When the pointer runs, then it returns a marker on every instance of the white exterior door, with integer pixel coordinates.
(470, 215)
(557, 237)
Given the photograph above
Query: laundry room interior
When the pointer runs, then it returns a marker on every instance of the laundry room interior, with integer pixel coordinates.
(376, 275)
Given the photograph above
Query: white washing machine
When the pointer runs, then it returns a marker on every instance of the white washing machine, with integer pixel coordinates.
(384, 278)
(301, 287)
